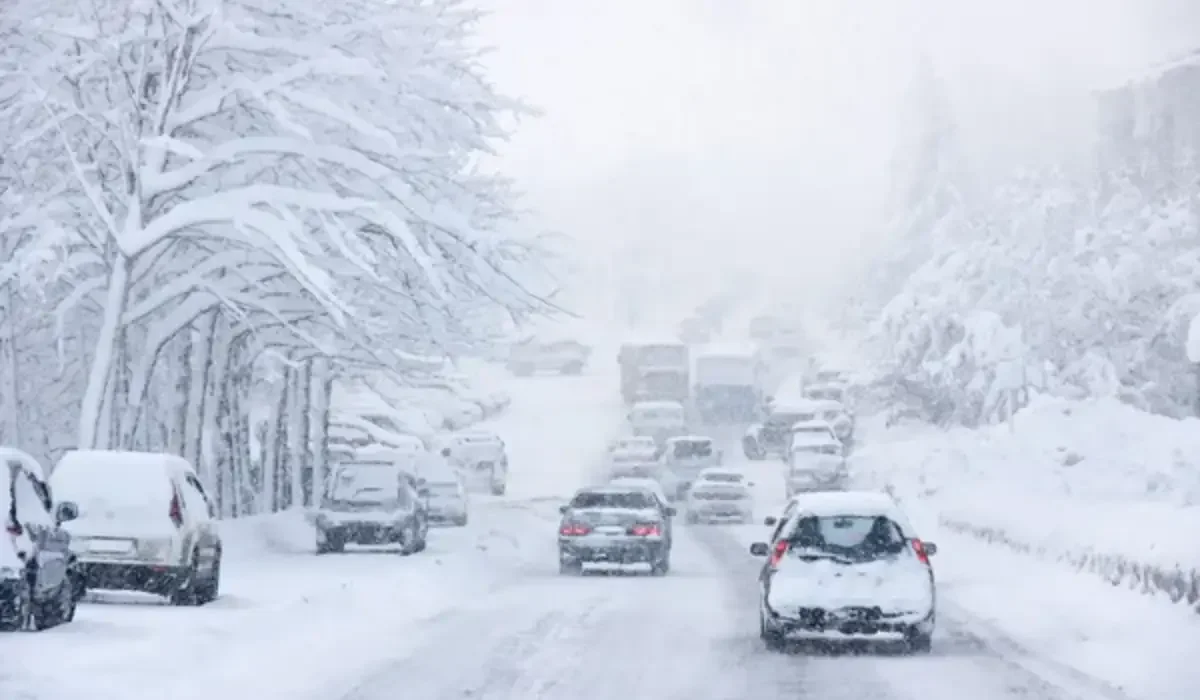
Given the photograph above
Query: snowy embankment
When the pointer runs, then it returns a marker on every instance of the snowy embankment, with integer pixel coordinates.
(1097, 485)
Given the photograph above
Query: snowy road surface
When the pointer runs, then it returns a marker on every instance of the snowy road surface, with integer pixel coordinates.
(485, 615)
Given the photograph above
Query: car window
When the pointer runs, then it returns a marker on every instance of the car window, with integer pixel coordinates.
(631, 500)
(856, 537)
(818, 449)
(724, 478)
(31, 498)
(689, 449)
(194, 499)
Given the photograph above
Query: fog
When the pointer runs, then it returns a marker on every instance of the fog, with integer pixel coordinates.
(685, 145)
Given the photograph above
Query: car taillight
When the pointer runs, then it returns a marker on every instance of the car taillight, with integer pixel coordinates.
(919, 547)
(574, 530)
(781, 548)
(645, 530)
(176, 511)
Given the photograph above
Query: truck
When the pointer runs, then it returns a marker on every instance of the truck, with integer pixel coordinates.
(727, 386)
(655, 371)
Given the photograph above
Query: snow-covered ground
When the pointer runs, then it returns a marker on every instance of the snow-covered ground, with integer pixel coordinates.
(484, 613)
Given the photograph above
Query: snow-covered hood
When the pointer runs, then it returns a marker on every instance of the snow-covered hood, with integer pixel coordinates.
(897, 585)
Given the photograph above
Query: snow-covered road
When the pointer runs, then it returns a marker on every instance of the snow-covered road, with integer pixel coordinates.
(484, 613)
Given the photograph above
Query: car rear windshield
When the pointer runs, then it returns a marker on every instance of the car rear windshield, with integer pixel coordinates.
(783, 420)
(818, 449)
(630, 500)
(693, 448)
(720, 494)
(724, 478)
(857, 537)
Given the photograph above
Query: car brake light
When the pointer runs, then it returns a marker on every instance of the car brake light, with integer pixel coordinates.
(645, 530)
(176, 511)
(781, 548)
(919, 547)
(574, 530)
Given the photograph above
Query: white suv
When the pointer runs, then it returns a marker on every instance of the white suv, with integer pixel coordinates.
(144, 524)
(847, 566)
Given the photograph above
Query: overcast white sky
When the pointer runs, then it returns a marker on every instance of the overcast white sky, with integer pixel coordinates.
(757, 133)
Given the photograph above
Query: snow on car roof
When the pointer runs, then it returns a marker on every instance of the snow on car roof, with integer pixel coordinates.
(113, 461)
(831, 503)
(657, 405)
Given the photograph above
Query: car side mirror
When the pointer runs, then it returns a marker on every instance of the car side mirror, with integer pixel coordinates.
(930, 549)
(66, 512)
(562, 509)
(671, 511)
(759, 549)
(770, 521)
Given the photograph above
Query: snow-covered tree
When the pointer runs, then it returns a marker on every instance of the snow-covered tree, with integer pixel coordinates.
(240, 196)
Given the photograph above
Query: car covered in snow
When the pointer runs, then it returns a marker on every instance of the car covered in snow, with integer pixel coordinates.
(481, 458)
(816, 462)
(847, 567)
(659, 420)
(721, 475)
(40, 580)
(614, 525)
(773, 435)
(559, 356)
(634, 448)
(448, 500)
(720, 502)
(372, 503)
(684, 458)
(830, 411)
(144, 524)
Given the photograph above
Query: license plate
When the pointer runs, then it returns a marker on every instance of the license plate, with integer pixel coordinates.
(110, 546)
(611, 531)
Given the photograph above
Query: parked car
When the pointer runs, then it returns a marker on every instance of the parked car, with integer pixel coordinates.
(448, 501)
(145, 524)
(372, 503)
(481, 458)
(811, 586)
(40, 581)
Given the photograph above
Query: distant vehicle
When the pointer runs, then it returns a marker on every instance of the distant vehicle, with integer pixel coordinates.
(827, 544)
(144, 524)
(448, 501)
(658, 420)
(40, 580)
(563, 357)
(719, 475)
(695, 330)
(765, 327)
(372, 503)
(684, 458)
(816, 462)
(720, 502)
(772, 437)
(637, 448)
(816, 429)
(828, 410)
(655, 371)
(614, 525)
(480, 456)
(727, 386)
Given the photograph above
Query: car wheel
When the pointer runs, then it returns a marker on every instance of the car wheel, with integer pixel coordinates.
(918, 642)
(662, 565)
(423, 536)
(410, 540)
(210, 590)
(570, 567)
(184, 591)
(58, 610)
(330, 544)
(460, 521)
(772, 639)
(15, 610)
(499, 490)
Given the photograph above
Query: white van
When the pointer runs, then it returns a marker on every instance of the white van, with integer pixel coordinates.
(144, 524)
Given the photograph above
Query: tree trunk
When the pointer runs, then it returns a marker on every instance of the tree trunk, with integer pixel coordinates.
(281, 467)
(203, 339)
(100, 373)
(296, 428)
(308, 446)
(320, 438)
(182, 369)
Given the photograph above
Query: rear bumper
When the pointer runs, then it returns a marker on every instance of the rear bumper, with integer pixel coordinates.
(364, 532)
(722, 515)
(616, 553)
(850, 624)
(147, 578)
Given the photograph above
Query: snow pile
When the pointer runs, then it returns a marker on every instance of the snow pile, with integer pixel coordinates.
(1096, 484)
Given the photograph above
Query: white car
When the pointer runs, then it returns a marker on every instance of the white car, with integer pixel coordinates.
(144, 524)
(638, 447)
(481, 458)
(719, 475)
(720, 502)
(448, 501)
(684, 457)
(563, 357)
(846, 566)
(369, 502)
(657, 419)
(816, 462)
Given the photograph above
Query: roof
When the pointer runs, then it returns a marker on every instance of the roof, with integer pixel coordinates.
(635, 482)
(657, 404)
(143, 460)
(828, 503)
(31, 463)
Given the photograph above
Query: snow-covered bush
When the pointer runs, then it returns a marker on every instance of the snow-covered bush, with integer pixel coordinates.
(212, 209)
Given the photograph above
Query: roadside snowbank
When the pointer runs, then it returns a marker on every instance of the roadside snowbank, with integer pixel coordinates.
(1097, 485)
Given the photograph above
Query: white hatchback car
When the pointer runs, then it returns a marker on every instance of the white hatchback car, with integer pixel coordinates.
(846, 566)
